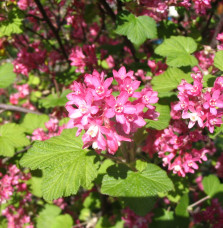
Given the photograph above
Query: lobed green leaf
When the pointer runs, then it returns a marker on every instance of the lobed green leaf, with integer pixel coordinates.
(11, 136)
(137, 29)
(178, 51)
(218, 60)
(7, 76)
(66, 166)
(120, 181)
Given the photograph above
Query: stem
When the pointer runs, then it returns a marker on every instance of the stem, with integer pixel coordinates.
(119, 160)
(113, 17)
(56, 85)
(217, 30)
(131, 152)
(200, 69)
(109, 10)
(54, 30)
(21, 151)
(17, 109)
(189, 208)
(42, 37)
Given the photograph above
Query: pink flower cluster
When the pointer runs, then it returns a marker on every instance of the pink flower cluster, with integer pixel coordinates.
(83, 57)
(212, 216)
(24, 4)
(158, 9)
(175, 145)
(23, 92)
(219, 166)
(14, 182)
(52, 129)
(203, 106)
(132, 220)
(205, 58)
(201, 6)
(29, 60)
(157, 68)
(17, 217)
(114, 112)
(9, 182)
(220, 39)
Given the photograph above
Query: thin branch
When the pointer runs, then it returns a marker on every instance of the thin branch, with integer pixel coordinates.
(109, 10)
(189, 208)
(42, 37)
(37, 18)
(113, 17)
(119, 160)
(18, 152)
(54, 30)
(217, 30)
(6, 107)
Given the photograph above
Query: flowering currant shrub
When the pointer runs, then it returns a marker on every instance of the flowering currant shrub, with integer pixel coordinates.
(111, 113)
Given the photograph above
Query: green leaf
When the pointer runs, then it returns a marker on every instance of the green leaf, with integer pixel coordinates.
(33, 80)
(163, 218)
(34, 121)
(178, 51)
(35, 183)
(85, 214)
(163, 120)
(141, 165)
(209, 80)
(11, 136)
(169, 80)
(92, 201)
(47, 216)
(181, 187)
(7, 76)
(181, 208)
(212, 185)
(218, 60)
(140, 205)
(64, 221)
(66, 166)
(120, 181)
(50, 217)
(53, 100)
(137, 29)
(13, 24)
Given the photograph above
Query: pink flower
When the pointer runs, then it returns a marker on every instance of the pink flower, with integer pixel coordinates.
(99, 87)
(213, 101)
(220, 37)
(129, 86)
(148, 96)
(84, 107)
(77, 59)
(135, 120)
(120, 108)
(94, 136)
(121, 74)
(196, 115)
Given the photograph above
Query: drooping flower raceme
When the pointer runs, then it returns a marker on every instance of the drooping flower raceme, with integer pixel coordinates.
(203, 106)
(175, 145)
(109, 114)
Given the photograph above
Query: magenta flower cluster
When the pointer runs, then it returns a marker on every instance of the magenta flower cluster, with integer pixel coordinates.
(175, 145)
(52, 129)
(14, 182)
(109, 113)
(212, 215)
(35, 52)
(203, 106)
